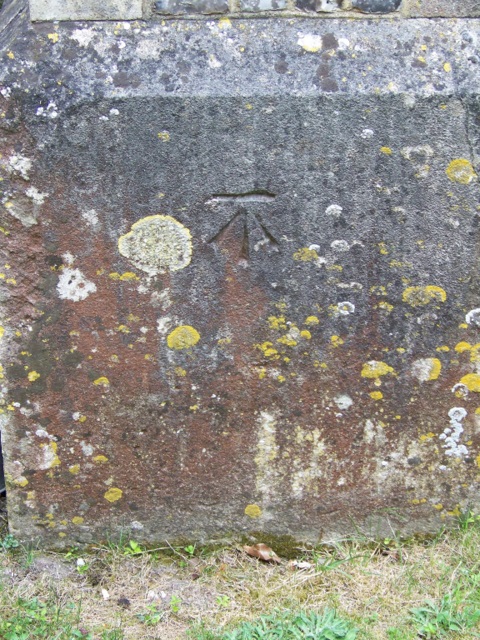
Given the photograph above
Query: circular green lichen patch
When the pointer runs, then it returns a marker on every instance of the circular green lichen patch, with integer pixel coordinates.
(183, 337)
(461, 170)
(253, 511)
(113, 494)
(157, 244)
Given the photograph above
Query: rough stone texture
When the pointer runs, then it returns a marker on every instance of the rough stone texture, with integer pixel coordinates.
(176, 7)
(262, 5)
(85, 9)
(318, 5)
(441, 8)
(132, 9)
(376, 6)
(240, 276)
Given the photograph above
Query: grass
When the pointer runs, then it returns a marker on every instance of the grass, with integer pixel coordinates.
(363, 589)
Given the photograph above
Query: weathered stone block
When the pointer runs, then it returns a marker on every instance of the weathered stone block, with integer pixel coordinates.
(176, 7)
(442, 8)
(262, 5)
(318, 5)
(85, 9)
(240, 277)
(376, 6)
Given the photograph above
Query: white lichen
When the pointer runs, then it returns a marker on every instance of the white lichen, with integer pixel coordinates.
(344, 308)
(37, 196)
(343, 401)
(90, 217)
(334, 210)
(473, 317)
(73, 285)
(452, 434)
(20, 166)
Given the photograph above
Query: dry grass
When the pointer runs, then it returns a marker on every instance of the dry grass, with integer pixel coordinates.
(373, 585)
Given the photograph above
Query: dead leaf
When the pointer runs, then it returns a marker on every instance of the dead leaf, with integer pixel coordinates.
(262, 551)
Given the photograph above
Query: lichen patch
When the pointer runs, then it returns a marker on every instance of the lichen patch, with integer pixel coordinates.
(157, 244)
(461, 171)
(73, 285)
(183, 337)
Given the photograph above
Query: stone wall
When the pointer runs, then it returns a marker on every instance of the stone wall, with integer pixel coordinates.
(239, 271)
(135, 9)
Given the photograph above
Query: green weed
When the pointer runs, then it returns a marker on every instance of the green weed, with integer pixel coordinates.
(35, 620)
(435, 620)
(287, 626)
(9, 542)
(152, 616)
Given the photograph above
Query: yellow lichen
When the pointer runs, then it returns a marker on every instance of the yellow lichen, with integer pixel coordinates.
(426, 436)
(102, 382)
(376, 369)
(385, 306)
(128, 276)
(376, 395)
(164, 136)
(472, 382)
(180, 372)
(305, 255)
(421, 296)
(383, 248)
(268, 350)
(278, 323)
(53, 37)
(74, 469)
(460, 347)
(100, 459)
(122, 328)
(426, 369)
(311, 320)
(306, 334)
(287, 341)
(461, 171)
(113, 494)
(78, 520)
(224, 23)
(253, 511)
(33, 375)
(443, 349)
(183, 337)
(386, 150)
(336, 341)
(51, 458)
(2, 332)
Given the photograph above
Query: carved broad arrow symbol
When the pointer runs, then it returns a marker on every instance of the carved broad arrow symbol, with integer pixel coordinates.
(246, 226)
